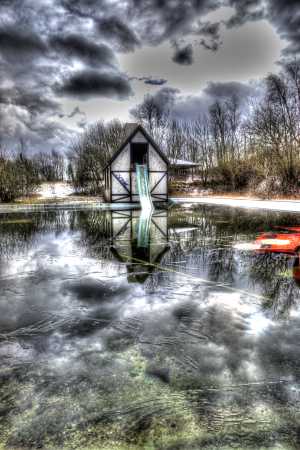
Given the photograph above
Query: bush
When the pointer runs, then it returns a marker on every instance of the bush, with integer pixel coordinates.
(267, 187)
(235, 174)
(18, 176)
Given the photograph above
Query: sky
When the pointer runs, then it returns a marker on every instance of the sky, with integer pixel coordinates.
(65, 64)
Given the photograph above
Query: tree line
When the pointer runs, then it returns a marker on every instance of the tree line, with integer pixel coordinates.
(21, 175)
(254, 148)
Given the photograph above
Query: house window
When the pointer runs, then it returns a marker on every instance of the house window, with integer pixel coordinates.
(139, 154)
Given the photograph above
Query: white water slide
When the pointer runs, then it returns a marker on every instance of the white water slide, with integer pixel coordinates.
(142, 179)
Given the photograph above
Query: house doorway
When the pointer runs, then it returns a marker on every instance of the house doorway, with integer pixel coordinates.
(138, 154)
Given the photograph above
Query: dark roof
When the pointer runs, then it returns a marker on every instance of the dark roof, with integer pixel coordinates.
(130, 130)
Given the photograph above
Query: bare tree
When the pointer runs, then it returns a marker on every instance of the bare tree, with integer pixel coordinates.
(275, 128)
(18, 175)
(51, 166)
(90, 153)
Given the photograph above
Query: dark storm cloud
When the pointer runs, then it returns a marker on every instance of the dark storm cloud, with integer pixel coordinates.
(39, 46)
(285, 16)
(35, 102)
(119, 33)
(150, 80)
(163, 100)
(168, 100)
(16, 42)
(153, 81)
(28, 114)
(211, 32)
(90, 83)
(191, 107)
(76, 111)
(77, 46)
(41, 41)
(194, 106)
(213, 46)
(162, 19)
(245, 10)
(85, 8)
(46, 130)
(166, 96)
(35, 131)
(131, 22)
(228, 90)
(183, 55)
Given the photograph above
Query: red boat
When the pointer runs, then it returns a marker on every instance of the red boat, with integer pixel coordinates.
(286, 240)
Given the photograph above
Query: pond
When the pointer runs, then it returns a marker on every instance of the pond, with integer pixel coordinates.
(125, 332)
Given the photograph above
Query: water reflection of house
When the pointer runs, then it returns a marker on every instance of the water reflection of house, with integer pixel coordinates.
(138, 239)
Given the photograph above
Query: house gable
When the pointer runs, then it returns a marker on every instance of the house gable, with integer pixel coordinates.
(138, 134)
(121, 182)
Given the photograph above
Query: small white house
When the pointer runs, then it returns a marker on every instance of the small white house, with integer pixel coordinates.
(120, 173)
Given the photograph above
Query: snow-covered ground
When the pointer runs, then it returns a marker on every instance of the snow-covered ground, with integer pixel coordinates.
(55, 190)
(60, 194)
(274, 205)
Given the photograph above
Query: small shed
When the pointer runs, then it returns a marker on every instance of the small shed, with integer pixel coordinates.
(120, 172)
(183, 168)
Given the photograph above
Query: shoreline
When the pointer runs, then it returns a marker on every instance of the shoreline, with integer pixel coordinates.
(283, 205)
(242, 202)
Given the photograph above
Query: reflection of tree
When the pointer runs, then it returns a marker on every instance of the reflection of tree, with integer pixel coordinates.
(274, 273)
(207, 251)
(222, 265)
(95, 232)
(19, 232)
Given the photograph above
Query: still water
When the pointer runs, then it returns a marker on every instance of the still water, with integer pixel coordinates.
(121, 332)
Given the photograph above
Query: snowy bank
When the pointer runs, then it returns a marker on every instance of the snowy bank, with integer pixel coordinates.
(273, 205)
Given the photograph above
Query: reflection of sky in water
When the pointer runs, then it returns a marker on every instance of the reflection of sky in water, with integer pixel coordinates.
(199, 346)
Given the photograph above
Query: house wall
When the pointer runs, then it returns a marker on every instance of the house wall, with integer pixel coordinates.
(122, 162)
(139, 137)
(121, 169)
(157, 165)
(155, 161)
